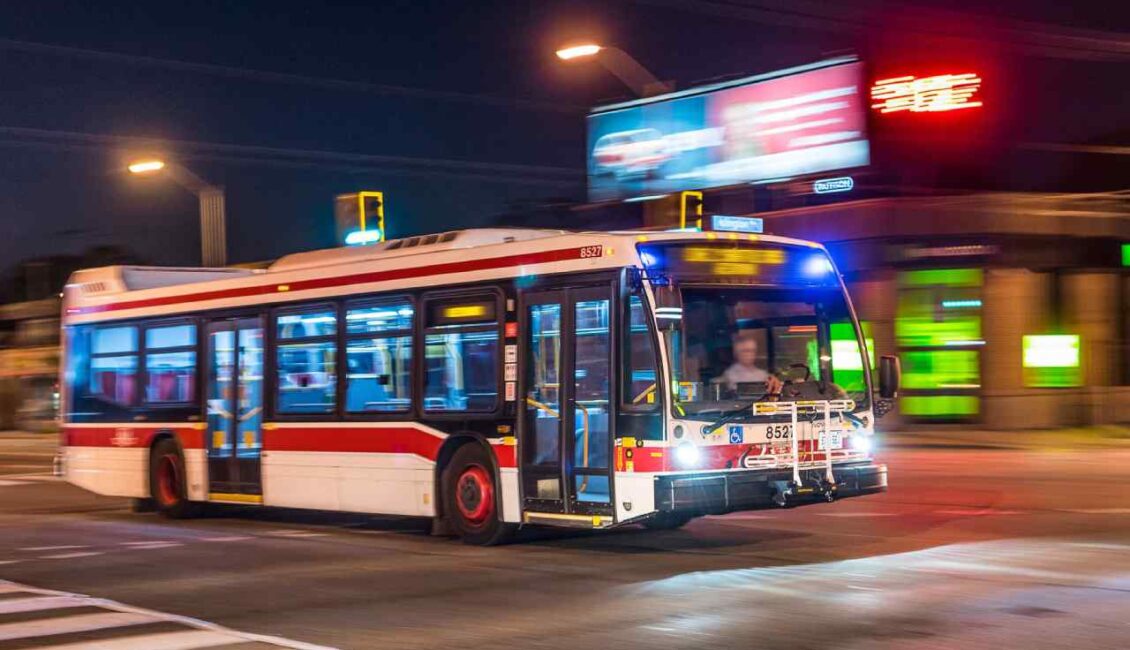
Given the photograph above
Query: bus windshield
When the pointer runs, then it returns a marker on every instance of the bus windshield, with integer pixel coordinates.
(732, 339)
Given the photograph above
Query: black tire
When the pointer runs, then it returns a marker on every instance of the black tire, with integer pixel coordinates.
(167, 485)
(666, 521)
(471, 499)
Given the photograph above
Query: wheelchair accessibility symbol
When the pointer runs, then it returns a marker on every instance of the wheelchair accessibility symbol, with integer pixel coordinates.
(735, 434)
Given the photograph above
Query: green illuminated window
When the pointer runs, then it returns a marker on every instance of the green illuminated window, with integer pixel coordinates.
(940, 406)
(941, 369)
(1052, 361)
(939, 331)
(1126, 255)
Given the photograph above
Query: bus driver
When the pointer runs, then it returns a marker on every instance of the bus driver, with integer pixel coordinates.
(745, 369)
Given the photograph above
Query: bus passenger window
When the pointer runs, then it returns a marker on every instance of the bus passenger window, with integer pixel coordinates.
(113, 366)
(170, 364)
(461, 355)
(640, 375)
(307, 381)
(379, 357)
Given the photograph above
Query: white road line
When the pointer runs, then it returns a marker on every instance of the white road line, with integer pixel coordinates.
(166, 641)
(38, 603)
(296, 533)
(10, 562)
(229, 538)
(857, 514)
(50, 548)
(69, 624)
(143, 546)
(68, 556)
(4, 483)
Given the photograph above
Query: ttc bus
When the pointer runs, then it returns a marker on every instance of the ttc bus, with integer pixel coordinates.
(484, 378)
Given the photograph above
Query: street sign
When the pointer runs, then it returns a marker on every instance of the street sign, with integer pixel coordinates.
(727, 223)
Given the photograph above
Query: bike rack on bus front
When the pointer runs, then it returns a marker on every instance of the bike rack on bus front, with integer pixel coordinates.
(814, 407)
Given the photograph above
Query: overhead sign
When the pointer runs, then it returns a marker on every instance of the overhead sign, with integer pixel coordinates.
(939, 93)
(830, 185)
(803, 120)
(737, 224)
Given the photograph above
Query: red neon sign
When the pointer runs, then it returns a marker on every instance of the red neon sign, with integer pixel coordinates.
(945, 92)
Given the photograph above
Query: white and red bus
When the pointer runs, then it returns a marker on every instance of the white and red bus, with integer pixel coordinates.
(486, 378)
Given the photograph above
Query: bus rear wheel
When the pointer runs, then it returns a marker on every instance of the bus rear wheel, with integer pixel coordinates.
(471, 498)
(167, 481)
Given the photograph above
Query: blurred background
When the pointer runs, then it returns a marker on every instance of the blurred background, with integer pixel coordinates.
(971, 182)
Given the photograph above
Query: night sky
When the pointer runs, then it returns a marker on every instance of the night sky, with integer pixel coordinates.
(476, 83)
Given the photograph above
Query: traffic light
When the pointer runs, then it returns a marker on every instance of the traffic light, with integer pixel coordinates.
(360, 218)
(690, 209)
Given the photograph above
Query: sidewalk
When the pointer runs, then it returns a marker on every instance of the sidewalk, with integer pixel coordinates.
(959, 438)
(15, 444)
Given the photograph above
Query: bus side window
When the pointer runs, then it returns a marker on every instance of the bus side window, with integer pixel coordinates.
(461, 355)
(307, 345)
(112, 381)
(379, 356)
(640, 374)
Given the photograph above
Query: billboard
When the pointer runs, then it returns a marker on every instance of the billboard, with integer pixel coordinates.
(799, 121)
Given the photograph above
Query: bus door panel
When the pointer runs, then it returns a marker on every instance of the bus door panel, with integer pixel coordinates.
(567, 425)
(541, 432)
(235, 406)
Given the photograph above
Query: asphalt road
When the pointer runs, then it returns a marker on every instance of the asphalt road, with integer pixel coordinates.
(969, 549)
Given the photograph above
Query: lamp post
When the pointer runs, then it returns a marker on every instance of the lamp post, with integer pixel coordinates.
(621, 64)
(213, 228)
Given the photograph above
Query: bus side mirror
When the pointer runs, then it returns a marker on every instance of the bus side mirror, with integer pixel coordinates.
(890, 376)
(668, 308)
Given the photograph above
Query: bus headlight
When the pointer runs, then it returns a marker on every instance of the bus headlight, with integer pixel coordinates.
(861, 444)
(686, 454)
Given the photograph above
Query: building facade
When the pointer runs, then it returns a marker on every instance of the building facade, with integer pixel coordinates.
(1008, 310)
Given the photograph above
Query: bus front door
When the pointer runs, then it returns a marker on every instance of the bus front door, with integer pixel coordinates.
(567, 425)
(235, 409)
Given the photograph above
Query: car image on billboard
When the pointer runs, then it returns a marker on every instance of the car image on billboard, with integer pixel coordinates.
(744, 131)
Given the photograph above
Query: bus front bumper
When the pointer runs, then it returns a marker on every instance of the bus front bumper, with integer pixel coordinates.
(721, 492)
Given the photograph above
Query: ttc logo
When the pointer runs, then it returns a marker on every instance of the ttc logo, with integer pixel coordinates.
(735, 434)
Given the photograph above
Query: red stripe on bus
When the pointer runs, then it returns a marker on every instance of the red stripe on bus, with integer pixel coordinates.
(129, 436)
(328, 438)
(344, 280)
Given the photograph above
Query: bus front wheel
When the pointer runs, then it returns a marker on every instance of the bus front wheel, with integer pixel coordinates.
(471, 498)
(167, 481)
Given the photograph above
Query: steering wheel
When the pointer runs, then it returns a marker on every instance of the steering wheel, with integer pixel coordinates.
(807, 373)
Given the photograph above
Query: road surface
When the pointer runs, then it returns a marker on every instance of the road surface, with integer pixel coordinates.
(969, 549)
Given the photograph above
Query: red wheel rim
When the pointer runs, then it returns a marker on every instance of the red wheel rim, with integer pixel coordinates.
(474, 494)
(168, 480)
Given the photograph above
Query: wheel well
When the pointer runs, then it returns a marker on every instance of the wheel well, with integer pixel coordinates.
(447, 451)
(157, 438)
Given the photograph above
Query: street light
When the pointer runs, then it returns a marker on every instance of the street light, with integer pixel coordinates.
(620, 63)
(213, 229)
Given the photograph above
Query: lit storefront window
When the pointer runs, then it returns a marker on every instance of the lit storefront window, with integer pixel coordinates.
(939, 332)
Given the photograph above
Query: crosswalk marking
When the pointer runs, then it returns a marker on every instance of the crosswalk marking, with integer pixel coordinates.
(110, 617)
(69, 624)
(166, 641)
(68, 556)
(38, 604)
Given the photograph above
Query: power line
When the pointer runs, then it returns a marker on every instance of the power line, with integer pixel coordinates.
(295, 157)
(1031, 38)
(267, 76)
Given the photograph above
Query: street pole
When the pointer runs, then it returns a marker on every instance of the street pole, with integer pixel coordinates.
(632, 73)
(621, 65)
(213, 214)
